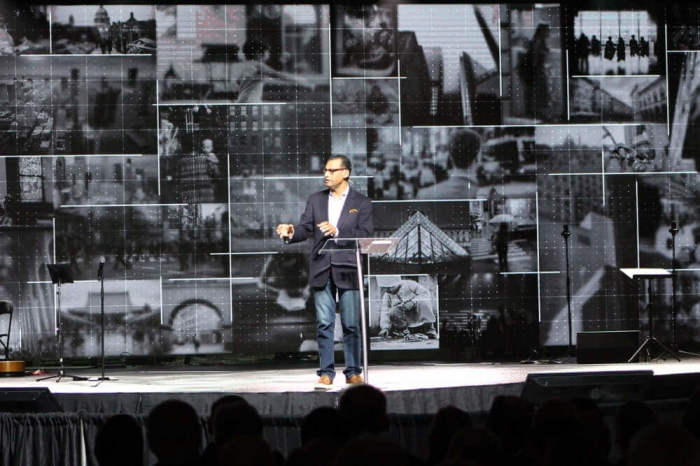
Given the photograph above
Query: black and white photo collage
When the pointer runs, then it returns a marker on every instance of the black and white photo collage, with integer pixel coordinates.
(170, 140)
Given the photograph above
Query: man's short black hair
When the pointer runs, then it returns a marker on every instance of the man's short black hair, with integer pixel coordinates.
(344, 160)
(464, 147)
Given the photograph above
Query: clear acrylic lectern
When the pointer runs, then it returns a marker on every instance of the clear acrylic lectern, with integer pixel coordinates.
(368, 246)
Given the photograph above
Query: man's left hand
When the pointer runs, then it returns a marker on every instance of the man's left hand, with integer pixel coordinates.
(327, 229)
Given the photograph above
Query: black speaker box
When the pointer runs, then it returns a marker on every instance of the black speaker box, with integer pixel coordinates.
(606, 346)
(28, 400)
(602, 387)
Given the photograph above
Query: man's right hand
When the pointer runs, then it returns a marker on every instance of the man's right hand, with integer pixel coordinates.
(285, 230)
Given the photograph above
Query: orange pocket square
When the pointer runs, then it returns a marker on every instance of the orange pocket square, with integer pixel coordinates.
(353, 211)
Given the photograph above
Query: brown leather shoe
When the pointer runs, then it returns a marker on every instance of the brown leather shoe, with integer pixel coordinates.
(355, 379)
(324, 383)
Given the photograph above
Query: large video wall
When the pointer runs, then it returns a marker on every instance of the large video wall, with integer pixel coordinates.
(170, 140)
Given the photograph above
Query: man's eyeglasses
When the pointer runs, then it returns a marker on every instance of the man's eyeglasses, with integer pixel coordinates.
(332, 170)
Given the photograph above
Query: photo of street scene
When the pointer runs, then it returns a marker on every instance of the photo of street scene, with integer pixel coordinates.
(451, 163)
(103, 29)
(160, 241)
(623, 99)
(605, 150)
(76, 105)
(104, 180)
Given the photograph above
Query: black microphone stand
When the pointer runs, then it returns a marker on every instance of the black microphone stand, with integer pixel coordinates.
(566, 234)
(101, 278)
(569, 358)
(674, 326)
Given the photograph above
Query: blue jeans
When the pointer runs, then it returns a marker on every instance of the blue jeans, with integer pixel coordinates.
(349, 300)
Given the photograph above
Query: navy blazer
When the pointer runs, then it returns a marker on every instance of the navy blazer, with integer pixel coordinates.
(355, 222)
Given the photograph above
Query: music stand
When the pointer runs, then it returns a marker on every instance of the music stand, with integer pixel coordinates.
(360, 246)
(60, 273)
(649, 274)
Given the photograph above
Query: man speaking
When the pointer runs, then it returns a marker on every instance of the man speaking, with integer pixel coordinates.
(336, 212)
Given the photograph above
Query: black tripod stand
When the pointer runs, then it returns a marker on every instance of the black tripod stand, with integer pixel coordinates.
(674, 326)
(60, 273)
(651, 341)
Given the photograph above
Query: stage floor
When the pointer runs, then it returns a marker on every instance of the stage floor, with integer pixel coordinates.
(411, 388)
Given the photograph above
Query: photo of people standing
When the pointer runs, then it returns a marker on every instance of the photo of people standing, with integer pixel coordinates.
(193, 149)
(614, 43)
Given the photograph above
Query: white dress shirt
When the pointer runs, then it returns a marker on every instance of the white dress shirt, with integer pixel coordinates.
(335, 207)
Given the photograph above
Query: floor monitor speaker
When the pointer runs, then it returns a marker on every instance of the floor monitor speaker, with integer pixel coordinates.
(28, 400)
(606, 346)
(602, 387)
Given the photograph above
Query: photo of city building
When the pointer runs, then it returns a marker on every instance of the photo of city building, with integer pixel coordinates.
(103, 29)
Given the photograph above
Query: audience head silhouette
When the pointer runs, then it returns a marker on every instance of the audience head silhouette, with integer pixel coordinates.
(323, 422)
(691, 418)
(372, 450)
(363, 409)
(216, 406)
(236, 419)
(631, 417)
(119, 442)
(510, 419)
(662, 444)
(447, 421)
(174, 433)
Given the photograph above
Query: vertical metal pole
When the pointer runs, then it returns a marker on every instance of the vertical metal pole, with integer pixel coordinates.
(363, 323)
(649, 310)
(566, 233)
(102, 323)
(673, 230)
(59, 329)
